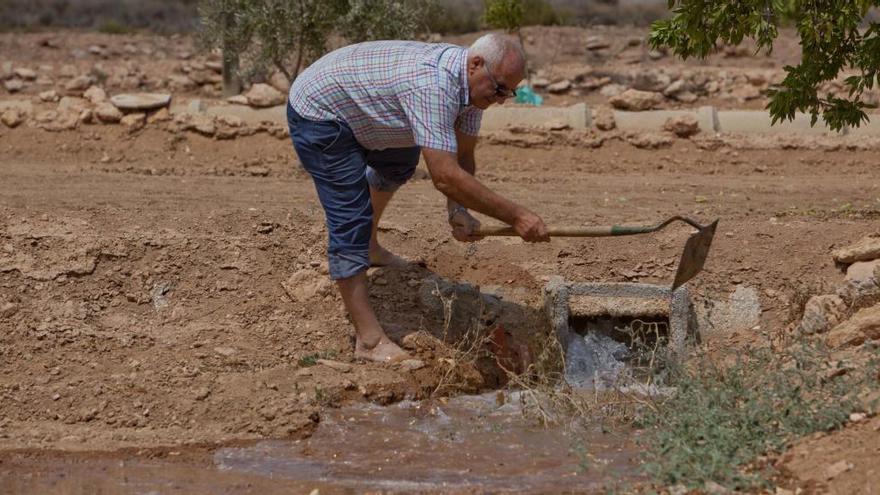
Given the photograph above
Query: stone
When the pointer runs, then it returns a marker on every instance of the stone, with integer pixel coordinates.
(611, 90)
(594, 43)
(78, 85)
(862, 281)
(237, 100)
(64, 121)
(336, 365)
(7, 310)
(745, 92)
(866, 249)
(140, 102)
(649, 140)
(134, 121)
(68, 71)
(26, 74)
(13, 85)
(411, 364)
(863, 326)
(834, 470)
(106, 112)
(201, 393)
(306, 284)
(821, 313)
(559, 87)
(651, 80)
(683, 126)
(203, 125)
(49, 96)
(635, 100)
(603, 118)
(686, 97)
(262, 95)
(161, 115)
(86, 116)
(540, 82)
(12, 117)
(95, 95)
(678, 86)
(72, 103)
(280, 82)
(178, 82)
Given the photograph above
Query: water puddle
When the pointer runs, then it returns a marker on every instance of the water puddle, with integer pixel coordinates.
(467, 444)
(474, 444)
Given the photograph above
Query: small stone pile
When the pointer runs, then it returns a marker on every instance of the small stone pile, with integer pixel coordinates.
(850, 316)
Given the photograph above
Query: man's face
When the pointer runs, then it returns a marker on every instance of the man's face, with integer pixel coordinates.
(490, 85)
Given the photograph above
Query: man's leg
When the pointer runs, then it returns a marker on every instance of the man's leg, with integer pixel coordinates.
(387, 171)
(336, 164)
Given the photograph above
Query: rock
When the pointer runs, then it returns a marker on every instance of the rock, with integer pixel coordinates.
(866, 249)
(161, 115)
(821, 313)
(280, 82)
(262, 95)
(238, 100)
(683, 126)
(559, 87)
(134, 121)
(78, 85)
(456, 305)
(594, 43)
(95, 95)
(557, 125)
(68, 71)
(214, 66)
(202, 77)
(86, 116)
(745, 93)
(675, 88)
(686, 97)
(201, 393)
(863, 326)
(7, 310)
(603, 118)
(49, 96)
(336, 365)
(862, 281)
(836, 469)
(108, 113)
(73, 104)
(635, 100)
(649, 140)
(203, 125)
(540, 82)
(651, 81)
(12, 117)
(63, 121)
(611, 90)
(713, 488)
(225, 351)
(411, 364)
(594, 83)
(857, 417)
(13, 85)
(306, 284)
(177, 82)
(26, 74)
(132, 102)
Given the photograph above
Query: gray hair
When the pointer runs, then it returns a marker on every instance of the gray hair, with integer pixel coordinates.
(493, 47)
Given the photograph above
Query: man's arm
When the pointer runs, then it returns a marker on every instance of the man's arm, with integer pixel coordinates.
(459, 185)
(467, 146)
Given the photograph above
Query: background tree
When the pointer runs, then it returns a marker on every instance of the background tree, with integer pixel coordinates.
(834, 39)
(260, 35)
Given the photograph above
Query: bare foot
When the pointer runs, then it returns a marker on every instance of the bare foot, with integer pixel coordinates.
(380, 256)
(383, 352)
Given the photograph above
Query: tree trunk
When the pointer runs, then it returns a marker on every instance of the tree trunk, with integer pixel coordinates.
(231, 80)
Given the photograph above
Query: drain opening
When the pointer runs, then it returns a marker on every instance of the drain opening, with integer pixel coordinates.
(642, 341)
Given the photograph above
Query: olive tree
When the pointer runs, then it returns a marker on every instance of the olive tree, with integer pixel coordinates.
(286, 35)
(834, 36)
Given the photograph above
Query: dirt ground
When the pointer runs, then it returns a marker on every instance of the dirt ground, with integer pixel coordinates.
(161, 289)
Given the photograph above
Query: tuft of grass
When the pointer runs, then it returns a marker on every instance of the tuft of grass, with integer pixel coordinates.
(312, 359)
(721, 419)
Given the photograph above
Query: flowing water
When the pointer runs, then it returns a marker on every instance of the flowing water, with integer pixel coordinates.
(471, 444)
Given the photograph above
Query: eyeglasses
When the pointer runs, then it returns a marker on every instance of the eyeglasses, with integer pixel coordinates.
(500, 89)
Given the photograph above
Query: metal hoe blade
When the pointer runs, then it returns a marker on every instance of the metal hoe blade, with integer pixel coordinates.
(696, 249)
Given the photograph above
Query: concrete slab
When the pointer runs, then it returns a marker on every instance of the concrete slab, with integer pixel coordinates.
(758, 122)
(653, 120)
(498, 117)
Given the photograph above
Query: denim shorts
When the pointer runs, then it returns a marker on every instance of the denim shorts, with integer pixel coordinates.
(343, 172)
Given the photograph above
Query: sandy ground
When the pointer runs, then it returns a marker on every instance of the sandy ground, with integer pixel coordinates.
(163, 289)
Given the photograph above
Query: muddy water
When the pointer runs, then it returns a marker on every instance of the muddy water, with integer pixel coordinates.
(477, 444)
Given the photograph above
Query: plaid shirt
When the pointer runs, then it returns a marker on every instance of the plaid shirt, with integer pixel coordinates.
(393, 94)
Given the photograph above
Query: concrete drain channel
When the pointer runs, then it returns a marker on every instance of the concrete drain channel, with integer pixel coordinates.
(618, 335)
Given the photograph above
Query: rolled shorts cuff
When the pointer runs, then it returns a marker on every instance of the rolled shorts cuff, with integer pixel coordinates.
(380, 183)
(345, 265)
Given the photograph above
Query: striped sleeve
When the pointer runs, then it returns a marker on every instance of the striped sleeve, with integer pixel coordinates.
(469, 121)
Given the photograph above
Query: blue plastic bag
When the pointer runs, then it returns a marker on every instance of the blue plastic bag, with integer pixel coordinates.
(527, 95)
